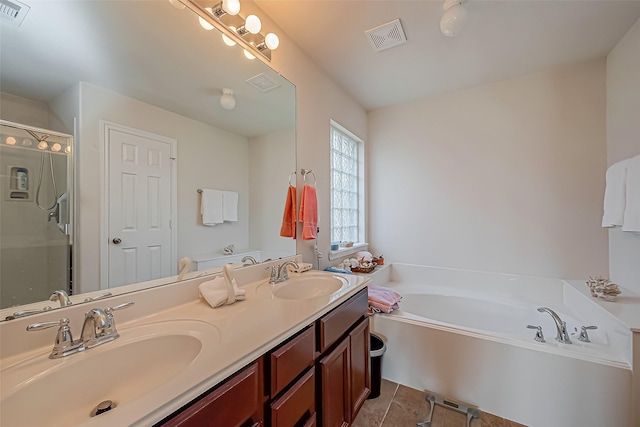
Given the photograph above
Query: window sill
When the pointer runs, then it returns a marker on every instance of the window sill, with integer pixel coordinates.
(343, 252)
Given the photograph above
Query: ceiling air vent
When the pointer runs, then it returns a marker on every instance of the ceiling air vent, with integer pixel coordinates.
(13, 11)
(386, 35)
(262, 82)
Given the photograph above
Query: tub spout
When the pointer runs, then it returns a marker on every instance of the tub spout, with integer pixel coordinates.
(561, 325)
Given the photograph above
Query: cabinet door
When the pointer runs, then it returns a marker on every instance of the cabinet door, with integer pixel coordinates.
(335, 392)
(360, 372)
(236, 403)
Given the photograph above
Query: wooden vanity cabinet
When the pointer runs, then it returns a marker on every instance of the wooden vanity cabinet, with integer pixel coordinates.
(319, 377)
(343, 370)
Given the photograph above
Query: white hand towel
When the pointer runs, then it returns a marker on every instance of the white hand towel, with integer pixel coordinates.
(216, 294)
(631, 220)
(229, 206)
(214, 291)
(211, 207)
(614, 195)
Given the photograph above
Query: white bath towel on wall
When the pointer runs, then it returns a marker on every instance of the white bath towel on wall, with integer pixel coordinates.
(229, 206)
(631, 220)
(211, 207)
(615, 195)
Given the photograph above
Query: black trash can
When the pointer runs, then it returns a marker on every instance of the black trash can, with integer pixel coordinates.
(376, 351)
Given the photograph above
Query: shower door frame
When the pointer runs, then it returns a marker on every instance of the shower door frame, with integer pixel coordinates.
(71, 190)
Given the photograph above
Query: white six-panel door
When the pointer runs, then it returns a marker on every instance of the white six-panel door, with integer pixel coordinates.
(139, 187)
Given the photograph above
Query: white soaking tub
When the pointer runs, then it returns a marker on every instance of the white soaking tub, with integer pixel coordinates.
(463, 335)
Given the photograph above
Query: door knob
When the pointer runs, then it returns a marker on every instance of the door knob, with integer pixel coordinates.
(117, 241)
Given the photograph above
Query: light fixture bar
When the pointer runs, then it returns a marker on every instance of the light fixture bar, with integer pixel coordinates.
(248, 43)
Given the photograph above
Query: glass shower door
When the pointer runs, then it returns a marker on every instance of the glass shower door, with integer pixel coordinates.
(35, 213)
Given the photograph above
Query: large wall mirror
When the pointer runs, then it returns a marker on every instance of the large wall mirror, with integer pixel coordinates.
(138, 82)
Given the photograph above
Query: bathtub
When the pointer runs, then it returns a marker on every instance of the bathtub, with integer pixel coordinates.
(463, 335)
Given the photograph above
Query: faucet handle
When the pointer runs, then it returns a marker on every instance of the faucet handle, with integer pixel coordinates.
(539, 336)
(584, 336)
(124, 305)
(272, 275)
(110, 328)
(64, 343)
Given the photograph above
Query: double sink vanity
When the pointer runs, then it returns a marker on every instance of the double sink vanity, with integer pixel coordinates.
(292, 353)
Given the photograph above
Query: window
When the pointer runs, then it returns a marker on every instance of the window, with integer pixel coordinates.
(347, 186)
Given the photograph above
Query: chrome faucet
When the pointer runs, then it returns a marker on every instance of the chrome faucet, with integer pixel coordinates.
(99, 327)
(248, 260)
(561, 325)
(61, 296)
(282, 270)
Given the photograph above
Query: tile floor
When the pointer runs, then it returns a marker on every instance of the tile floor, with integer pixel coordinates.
(400, 406)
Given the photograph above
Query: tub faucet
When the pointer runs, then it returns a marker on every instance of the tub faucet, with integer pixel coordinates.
(248, 260)
(561, 325)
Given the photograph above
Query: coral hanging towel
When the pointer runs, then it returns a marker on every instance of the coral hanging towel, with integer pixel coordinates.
(309, 213)
(288, 228)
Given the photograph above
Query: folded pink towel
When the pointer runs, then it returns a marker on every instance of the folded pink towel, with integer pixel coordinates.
(288, 228)
(383, 300)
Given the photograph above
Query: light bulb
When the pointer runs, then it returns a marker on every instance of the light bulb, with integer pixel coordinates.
(232, 7)
(253, 24)
(272, 41)
(27, 142)
(204, 24)
(56, 147)
(10, 140)
(67, 149)
(453, 19)
(227, 40)
(176, 4)
(248, 54)
(43, 145)
(227, 101)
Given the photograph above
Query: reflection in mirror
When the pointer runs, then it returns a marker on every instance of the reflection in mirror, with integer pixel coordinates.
(138, 85)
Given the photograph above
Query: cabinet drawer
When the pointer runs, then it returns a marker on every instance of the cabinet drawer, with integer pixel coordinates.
(333, 325)
(235, 403)
(291, 360)
(297, 404)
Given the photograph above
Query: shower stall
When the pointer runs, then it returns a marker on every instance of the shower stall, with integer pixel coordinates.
(36, 194)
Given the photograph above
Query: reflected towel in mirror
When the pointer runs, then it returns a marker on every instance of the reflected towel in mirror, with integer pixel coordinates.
(211, 207)
(229, 206)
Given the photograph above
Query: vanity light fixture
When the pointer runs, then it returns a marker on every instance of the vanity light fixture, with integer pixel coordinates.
(203, 23)
(227, 101)
(235, 29)
(248, 54)
(454, 16)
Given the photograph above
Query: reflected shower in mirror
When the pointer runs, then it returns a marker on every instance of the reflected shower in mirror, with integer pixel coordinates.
(138, 85)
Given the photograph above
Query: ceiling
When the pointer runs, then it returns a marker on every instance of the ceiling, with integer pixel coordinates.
(146, 50)
(501, 40)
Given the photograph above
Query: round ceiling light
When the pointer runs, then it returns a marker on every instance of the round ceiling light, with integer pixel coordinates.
(454, 16)
(227, 101)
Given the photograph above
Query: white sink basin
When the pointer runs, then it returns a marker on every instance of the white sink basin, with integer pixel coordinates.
(305, 286)
(143, 361)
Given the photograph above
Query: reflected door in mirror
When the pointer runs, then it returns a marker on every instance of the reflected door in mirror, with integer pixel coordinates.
(140, 242)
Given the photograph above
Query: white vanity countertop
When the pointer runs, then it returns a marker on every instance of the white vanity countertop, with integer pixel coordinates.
(247, 329)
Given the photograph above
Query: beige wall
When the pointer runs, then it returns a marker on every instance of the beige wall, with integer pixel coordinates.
(318, 100)
(504, 177)
(623, 141)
